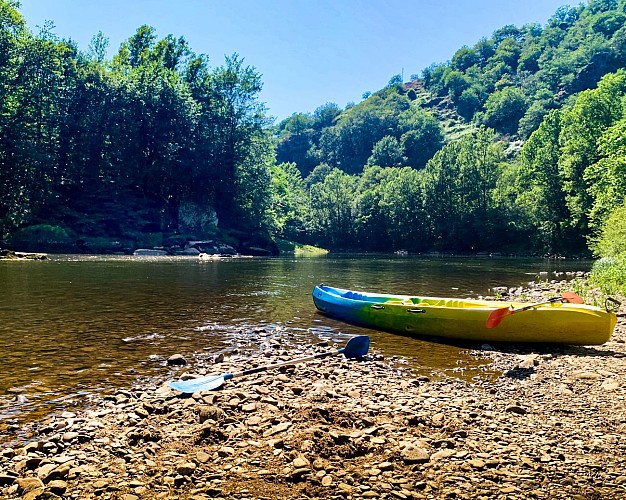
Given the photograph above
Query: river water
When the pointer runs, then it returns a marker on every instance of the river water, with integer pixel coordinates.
(75, 325)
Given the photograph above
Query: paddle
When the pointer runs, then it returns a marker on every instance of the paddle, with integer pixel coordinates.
(355, 348)
(496, 316)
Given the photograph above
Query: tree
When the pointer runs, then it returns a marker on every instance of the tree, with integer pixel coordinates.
(582, 126)
(504, 109)
(611, 241)
(422, 136)
(98, 47)
(606, 179)
(540, 189)
(387, 153)
(289, 201)
(237, 126)
(331, 209)
(458, 191)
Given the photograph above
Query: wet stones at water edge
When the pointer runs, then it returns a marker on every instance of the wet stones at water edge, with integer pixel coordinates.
(335, 428)
(176, 360)
(11, 255)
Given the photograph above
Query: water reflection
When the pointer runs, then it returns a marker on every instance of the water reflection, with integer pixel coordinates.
(73, 325)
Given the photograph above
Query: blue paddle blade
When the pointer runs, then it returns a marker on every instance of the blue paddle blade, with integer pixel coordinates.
(356, 347)
(198, 384)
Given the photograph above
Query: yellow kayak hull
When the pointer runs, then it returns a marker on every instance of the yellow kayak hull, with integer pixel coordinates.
(465, 319)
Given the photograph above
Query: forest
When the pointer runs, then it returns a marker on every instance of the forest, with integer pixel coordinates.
(515, 145)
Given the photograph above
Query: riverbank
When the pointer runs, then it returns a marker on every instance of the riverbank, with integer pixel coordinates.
(551, 426)
(11, 255)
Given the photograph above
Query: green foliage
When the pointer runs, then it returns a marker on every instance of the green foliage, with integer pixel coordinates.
(459, 184)
(387, 153)
(117, 149)
(330, 216)
(289, 200)
(607, 177)
(111, 148)
(290, 247)
(611, 241)
(504, 109)
(577, 47)
(609, 274)
(41, 237)
(539, 188)
(583, 124)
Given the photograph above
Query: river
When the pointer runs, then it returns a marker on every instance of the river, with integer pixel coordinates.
(75, 325)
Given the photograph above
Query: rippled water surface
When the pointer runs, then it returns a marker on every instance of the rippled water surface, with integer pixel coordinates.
(73, 325)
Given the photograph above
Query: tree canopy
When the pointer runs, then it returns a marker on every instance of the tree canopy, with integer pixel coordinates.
(516, 144)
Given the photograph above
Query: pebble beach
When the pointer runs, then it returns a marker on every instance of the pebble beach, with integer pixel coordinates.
(550, 425)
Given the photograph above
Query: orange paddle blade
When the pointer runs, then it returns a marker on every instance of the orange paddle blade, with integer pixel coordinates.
(497, 316)
(573, 298)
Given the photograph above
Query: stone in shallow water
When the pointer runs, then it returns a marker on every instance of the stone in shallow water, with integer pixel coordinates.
(176, 360)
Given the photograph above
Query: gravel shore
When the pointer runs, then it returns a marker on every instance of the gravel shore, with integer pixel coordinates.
(552, 426)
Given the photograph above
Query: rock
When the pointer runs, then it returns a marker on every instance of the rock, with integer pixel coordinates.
(586, 375)
(249, 408)
(529, 361)
(45, 472)
(149, 252)
(58, 487)
(610, 385)
(209, 412)
(415, 455)
(226, 451)
(301, 462)
(28, 484)
(282, 427)
(442, 454)
(327, 481)
(33, 447)
(6, 480)
(477, 463)
(186, 469)
(516, 409)
(345, 488)
(176, 360)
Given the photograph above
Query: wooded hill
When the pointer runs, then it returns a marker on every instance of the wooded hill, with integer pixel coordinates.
(516, 144)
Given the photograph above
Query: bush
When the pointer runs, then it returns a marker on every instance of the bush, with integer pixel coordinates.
(609, 274)
(42, 238)
(612, 239)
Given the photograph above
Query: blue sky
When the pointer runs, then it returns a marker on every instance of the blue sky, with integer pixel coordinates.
(309, 52)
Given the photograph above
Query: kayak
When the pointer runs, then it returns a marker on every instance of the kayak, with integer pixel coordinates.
(467, 319)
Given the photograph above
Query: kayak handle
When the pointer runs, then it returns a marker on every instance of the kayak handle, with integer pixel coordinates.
(375, 306)
(416, 310)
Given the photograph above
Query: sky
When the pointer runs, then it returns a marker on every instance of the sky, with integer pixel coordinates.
(310, 52)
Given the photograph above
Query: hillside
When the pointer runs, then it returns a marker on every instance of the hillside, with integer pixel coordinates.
(513, 145)
(507, 82)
